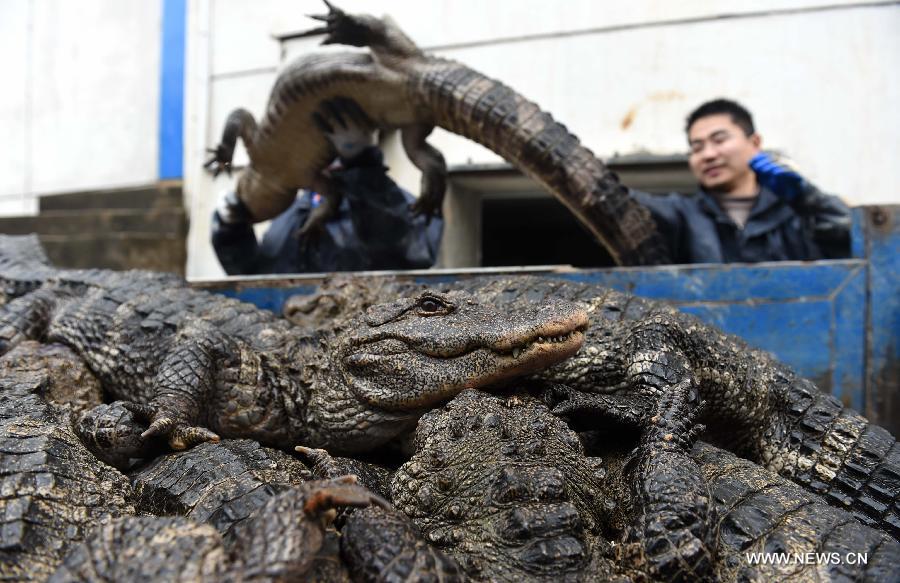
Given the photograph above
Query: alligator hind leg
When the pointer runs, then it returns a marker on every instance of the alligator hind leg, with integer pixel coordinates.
(327, 209)
(431, 162)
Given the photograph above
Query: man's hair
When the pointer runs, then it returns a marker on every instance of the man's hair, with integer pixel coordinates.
(739, 114)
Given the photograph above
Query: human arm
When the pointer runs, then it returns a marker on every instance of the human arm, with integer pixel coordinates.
(827, 217)
(670, 222)
(233, 238)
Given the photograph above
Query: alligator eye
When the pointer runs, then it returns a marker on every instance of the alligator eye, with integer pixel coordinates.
(431, 305)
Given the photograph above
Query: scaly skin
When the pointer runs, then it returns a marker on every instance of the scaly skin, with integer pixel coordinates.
(506, 490)
(221, 484)
(504, 487)
(198, 366)
(636, 350)
(399, 86)
(386, 546)
(286, 540)
(758, 512)
(52, 490)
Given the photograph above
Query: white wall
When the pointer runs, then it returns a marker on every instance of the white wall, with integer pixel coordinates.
(821, 78)
(81, 109)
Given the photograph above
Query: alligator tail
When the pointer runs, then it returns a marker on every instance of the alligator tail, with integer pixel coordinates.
(492, 114)
(23, 265)
(840, 455)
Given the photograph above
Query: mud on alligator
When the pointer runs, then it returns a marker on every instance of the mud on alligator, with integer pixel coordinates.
(399, 86)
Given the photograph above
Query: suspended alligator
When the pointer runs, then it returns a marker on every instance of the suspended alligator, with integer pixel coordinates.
(198, 366)
(637, 349)
(399, 86)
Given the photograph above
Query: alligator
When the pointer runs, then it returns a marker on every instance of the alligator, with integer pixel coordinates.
(221, 484)
(635, 349)
(287, 539)
(52, 490)
(198, 366)
(399, 86)
(503, 487)
(69, 384)
(374, 477)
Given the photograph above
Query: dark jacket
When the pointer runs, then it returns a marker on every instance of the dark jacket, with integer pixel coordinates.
(697, 230)
(374, 229)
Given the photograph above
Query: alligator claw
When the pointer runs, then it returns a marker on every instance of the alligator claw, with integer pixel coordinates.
(340, 28)
(179, 434)
(161, 426)
(675, 419)
(183, 437)
(342, 491)
(220, 160)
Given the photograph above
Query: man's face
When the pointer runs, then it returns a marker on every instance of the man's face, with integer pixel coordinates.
(721, 153)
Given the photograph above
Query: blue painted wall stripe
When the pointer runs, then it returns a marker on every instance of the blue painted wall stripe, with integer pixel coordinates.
(171, 94)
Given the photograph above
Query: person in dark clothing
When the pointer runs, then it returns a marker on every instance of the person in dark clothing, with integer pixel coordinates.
(373, 229)
(749, 207)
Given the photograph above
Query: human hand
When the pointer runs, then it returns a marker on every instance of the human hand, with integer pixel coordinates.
(777, 176)
(230, 209)
(346, 126)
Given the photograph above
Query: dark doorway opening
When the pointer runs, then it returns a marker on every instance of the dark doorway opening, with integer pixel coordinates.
(536, 231)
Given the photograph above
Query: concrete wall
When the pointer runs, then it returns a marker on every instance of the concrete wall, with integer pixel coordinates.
(821, 78)
(79, 108)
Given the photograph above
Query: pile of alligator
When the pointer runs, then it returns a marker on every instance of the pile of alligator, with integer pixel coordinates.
(493, 429)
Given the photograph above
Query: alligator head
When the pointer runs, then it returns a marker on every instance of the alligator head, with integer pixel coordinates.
(417, 352)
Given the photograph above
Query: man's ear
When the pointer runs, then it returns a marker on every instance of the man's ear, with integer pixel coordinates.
(756, 140)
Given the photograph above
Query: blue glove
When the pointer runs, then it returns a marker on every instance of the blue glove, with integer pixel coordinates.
(782, 181)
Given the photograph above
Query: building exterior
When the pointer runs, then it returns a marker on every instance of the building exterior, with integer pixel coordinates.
(113, 95)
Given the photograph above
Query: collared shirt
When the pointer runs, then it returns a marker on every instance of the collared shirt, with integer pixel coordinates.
(697, 230)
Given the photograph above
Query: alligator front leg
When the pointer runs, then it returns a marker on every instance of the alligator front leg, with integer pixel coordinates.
(240, 122)
(672, 528)
(431, 162)
(184, 383)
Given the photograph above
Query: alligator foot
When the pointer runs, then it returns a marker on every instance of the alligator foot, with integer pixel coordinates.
(341, 491)
(10, 337)
(675, 420)
(342, 28)
(673, 524)
(169, 423)
(327, 209)
(325, 466)
(220, 160)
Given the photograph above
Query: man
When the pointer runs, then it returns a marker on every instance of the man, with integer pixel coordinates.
(373, 229)
(749, 207)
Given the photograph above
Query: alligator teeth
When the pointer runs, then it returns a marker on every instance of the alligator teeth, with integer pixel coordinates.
(516, 352)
